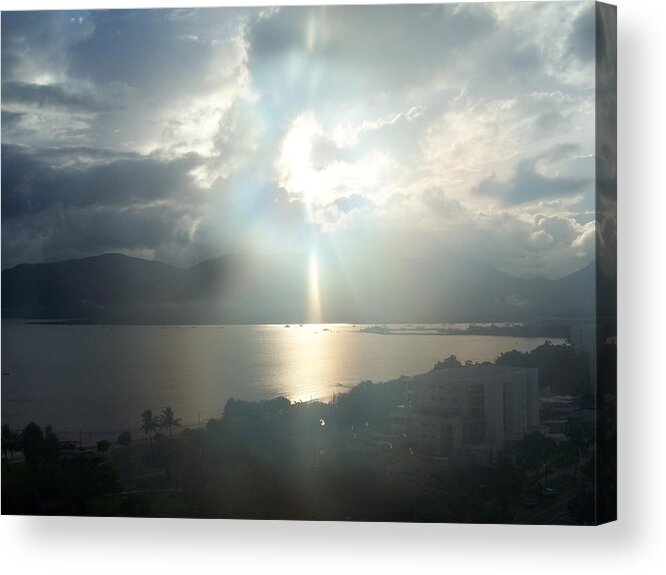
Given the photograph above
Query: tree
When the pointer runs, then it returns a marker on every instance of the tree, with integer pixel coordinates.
(10, 441)
(561, 368)
(124, 439)
(103, 446)
(450, 362)
(534, 453)
(88, 477)
(32, 443)
(51, 445)
(579, 440)
(167, 421)
(160, 454)
(149, 423)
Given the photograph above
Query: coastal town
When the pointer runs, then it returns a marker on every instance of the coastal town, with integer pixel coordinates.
(509, 441)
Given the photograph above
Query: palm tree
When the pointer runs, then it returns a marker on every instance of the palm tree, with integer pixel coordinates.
(168, 421)
(149, 423)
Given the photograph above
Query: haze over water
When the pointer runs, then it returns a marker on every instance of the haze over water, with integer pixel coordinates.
(100, 378)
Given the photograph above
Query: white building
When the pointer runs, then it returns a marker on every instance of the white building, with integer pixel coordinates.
(449, 410)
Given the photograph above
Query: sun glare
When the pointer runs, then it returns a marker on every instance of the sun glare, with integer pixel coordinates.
(297, 146)
(314, 303)
(295, 168)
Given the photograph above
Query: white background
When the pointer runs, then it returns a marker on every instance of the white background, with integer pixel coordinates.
(635, 543)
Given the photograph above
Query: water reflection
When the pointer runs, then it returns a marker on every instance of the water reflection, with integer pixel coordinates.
(102, 378)
(308, 361)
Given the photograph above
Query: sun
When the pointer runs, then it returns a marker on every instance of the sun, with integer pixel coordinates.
(297, 146)
(296, 172)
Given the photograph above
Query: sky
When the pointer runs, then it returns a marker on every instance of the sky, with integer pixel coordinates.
(422, 131)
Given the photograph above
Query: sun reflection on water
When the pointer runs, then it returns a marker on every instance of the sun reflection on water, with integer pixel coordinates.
(308, 354)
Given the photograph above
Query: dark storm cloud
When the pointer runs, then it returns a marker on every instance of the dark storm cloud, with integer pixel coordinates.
(30, 183)
(582, 36)
(308, 51)
(105, 228)
(509, 67)
(182, 226)
(320, 54)
(527, 184)
(606, 133)
(10, 119)
(145, 50)
(61, 233)
(51, 95)
(35, 42)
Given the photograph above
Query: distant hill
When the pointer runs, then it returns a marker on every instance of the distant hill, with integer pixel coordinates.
(265, 289)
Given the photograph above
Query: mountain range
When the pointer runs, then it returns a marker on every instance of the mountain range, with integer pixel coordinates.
(114, 288)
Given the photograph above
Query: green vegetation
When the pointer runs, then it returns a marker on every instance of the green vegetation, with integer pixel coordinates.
(125, 439)
(368, 402)
(562, 369)
(167, 421)
(149, 424)
(53, 481)
(11, 442)
(514, 330)
(103, 446)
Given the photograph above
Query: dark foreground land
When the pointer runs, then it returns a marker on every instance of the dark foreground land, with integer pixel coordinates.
(309, 461)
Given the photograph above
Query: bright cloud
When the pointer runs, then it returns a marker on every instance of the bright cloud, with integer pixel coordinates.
(182, 134)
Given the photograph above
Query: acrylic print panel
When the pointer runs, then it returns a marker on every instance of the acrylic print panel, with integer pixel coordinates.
(325, 263)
